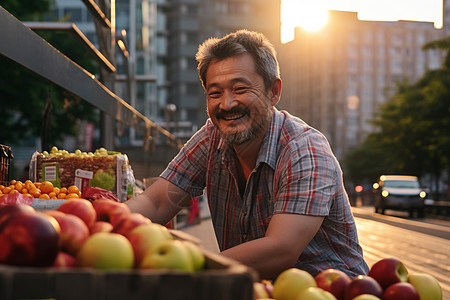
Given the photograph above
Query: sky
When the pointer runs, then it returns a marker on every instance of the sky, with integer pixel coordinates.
(313, 12)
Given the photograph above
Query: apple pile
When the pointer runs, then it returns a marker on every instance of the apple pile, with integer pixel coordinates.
(388, 279)
(101, 234)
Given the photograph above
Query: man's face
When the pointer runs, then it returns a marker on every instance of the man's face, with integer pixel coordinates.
(237, 100)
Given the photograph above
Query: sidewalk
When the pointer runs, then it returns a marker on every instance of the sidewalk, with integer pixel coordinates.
(204, 230)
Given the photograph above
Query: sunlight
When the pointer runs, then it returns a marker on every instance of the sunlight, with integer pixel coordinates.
(309, 16)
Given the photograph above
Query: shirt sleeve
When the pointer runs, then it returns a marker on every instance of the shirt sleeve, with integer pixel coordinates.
(306, 177)
(188, 168)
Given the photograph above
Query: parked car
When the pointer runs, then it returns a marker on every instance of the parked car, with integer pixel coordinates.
(399, 192)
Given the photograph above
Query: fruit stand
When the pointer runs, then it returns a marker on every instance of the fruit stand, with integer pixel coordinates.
(222, 279)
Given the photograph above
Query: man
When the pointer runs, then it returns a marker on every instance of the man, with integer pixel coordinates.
(274, 188)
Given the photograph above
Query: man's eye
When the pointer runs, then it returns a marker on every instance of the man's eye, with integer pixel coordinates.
(240, 90)
(213, 94)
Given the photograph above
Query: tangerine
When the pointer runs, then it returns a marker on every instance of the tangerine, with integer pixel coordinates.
(24, 191)
(56, 190)
(44, 196)
(73, 189)
(63, 190)
(35, 192)
(46, 187)
(61, 196)
(72, 195)
(6, 190)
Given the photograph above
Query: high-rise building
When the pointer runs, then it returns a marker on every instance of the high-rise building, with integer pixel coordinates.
(335, 79)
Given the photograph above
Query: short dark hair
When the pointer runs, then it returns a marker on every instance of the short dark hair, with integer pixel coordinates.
(236, 43)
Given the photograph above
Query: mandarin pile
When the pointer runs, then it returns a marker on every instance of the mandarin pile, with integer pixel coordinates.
(42, 190)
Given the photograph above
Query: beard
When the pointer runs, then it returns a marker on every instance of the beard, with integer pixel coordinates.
(239, 137)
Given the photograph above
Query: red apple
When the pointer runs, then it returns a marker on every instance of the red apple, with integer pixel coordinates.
(333, 281)
(109, 210)
(401, 291)
(82, 208)
(127, 222)
(101, 226)
(7, 210)
(388, 271)
(29, 239)
(74, 232)
(64, 261)
(363, 284)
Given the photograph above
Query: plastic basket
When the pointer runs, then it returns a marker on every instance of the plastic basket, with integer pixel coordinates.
(5, 160)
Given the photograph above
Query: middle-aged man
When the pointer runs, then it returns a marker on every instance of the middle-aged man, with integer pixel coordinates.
(274, 188)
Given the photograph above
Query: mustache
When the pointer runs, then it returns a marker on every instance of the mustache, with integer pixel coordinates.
(220, 114)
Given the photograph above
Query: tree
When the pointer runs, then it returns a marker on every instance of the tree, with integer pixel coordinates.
(413, 130)
(25, 95)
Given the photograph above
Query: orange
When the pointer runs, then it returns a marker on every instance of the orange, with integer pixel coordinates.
(29, 185)
(56, 190)
(73, 189)
(13, 191)
(52, 194)
(6, 190)
(37, 184)
(44, 196)
(12, 182)
(35, 192)
(63, 190)
(2, 187)
(24, 191)
(18, 186)
(61, 196)
(28, 195)
(72, 195)
(46, 187)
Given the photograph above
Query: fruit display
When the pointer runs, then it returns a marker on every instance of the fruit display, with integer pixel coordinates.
(109, 170)
(388, 279)
(41, 190)
(102, 234)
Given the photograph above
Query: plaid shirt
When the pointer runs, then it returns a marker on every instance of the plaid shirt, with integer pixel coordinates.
(296, 172)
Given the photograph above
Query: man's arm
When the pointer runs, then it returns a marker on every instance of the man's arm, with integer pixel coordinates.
(286, 238)
(160, 202)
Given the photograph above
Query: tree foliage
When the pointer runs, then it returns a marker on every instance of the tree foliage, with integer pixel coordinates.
(413, 130)
(24, 94)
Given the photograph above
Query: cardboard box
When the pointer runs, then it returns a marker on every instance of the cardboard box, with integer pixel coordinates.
(223, 279)
(110, 172)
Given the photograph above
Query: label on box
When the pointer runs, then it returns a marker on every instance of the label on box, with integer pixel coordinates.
(50, 173)
(82, 178)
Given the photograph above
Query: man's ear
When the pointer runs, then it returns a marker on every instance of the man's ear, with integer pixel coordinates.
(275, 92)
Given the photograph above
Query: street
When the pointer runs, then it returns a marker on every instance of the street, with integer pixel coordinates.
(422, 245)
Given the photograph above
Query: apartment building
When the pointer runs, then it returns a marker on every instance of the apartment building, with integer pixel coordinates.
(336, 78)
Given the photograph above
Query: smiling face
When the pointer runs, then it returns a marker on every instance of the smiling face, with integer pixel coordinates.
(238, 103)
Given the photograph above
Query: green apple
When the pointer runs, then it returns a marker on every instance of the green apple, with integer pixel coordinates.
(106, 251)
(426, 285)
(291, 282)
(145, 238)
(315, 293)
(197, 255)
(366, 297)
(169, 254)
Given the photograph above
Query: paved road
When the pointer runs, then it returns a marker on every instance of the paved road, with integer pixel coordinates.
(422, 245)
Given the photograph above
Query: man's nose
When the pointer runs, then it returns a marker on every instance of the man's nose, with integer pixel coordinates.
(228, 101)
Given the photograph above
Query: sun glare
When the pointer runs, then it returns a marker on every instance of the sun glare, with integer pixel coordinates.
(309, 16)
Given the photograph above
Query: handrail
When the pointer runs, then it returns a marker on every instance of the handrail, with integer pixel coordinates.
(22, 45)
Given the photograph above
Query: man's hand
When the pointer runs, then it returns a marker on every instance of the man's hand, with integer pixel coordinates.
(286, 238)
